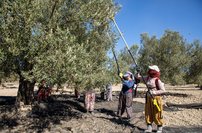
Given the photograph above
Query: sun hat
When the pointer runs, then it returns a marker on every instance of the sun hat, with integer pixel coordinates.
(154, 67)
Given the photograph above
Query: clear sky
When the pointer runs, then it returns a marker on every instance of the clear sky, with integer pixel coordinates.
(155, 16)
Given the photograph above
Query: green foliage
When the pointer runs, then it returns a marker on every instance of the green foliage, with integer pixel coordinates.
(170, 53)
(125, 61)
(148, 52)
(57, 40)
(194, 75)
(174, 58)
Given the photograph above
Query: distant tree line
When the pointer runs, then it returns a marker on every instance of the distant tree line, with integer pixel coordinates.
(180, 62)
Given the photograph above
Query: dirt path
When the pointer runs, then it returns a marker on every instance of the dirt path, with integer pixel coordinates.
(65, 114)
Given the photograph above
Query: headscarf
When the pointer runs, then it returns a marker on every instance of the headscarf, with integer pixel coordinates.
(154, 71)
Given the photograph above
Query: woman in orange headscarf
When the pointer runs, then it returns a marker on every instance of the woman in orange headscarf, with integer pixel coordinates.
(153, 110)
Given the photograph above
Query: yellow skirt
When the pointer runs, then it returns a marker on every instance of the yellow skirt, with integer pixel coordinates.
(152, 114)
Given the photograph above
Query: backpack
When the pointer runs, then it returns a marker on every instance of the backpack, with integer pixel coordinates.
(156, 83)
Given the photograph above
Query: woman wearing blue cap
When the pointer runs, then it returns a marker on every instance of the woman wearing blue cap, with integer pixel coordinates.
(126, 96)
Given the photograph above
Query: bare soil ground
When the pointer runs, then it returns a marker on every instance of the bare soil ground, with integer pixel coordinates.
(65, 114)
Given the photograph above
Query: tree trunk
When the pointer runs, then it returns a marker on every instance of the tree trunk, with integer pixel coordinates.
(76, 93)
(102, 95)
(25, 91)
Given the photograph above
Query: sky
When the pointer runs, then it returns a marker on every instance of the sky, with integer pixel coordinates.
(155, 16)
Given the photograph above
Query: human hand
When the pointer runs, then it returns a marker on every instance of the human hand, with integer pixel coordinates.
(121, 75)
(152, 92)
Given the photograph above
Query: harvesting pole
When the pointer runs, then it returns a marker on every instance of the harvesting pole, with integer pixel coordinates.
(124, 41)
(154, 100)
(117, 64)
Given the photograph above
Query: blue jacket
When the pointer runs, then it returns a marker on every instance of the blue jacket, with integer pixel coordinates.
(127, 86)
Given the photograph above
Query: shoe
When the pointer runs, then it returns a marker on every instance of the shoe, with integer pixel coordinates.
(92, 113)
(159, 129)
(149, 129)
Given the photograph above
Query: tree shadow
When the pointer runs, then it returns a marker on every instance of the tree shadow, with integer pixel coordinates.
(118, 121)
(42, 115)
(125, 123)
(7, 100)
(7, 104)
(8, 111)
(170, 109)
(182, 129)
(106, 111)
(188, 106)
(137, 108)
(77, 104)
(59, 108)
(9, 122)
(175, 94)
(142, 94)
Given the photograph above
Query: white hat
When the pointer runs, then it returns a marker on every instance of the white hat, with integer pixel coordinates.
(129, 72)
(154, 67)
(126, 75)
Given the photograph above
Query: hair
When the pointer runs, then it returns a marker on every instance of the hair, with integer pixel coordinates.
(153, 73)
(131, 76)
(125, 78)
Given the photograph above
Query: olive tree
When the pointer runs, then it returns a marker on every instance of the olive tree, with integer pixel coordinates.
(62, 41)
